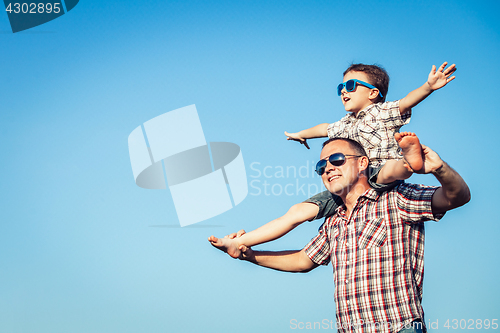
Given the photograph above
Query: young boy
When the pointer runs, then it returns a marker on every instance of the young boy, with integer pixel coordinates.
(372, 122)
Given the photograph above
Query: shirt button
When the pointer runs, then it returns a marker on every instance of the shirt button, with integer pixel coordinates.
(347, 262)
(346, 281)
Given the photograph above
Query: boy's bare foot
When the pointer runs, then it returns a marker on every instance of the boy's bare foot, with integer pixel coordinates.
(228, 245)
(412, 150)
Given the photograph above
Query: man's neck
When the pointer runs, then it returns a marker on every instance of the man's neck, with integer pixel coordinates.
(351, 198)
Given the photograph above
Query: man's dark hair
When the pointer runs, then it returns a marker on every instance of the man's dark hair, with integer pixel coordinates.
(377, 75)
(358, 149)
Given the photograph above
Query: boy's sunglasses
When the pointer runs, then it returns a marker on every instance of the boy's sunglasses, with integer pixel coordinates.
(350, 85)
(337, 159)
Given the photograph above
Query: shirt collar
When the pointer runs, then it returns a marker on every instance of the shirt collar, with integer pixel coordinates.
(361, 113)
(370, 194)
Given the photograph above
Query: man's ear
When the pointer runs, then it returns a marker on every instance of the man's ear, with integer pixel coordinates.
(363, 163)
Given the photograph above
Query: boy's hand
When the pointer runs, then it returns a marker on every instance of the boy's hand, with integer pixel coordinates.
(438, 79)
(236, 234)
(297, 137)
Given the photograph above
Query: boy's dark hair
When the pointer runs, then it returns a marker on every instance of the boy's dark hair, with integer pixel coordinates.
(377, 75)
(356, 146)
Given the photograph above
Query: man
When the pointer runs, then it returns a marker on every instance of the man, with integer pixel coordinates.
(375, 241)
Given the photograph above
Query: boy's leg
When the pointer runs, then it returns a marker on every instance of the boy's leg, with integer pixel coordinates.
(373, 173)
(327, 204)
(393, 170)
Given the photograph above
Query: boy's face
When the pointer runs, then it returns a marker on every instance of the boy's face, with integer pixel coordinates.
(361, 96)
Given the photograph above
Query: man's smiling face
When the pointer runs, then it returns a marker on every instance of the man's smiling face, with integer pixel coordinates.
(339, 180)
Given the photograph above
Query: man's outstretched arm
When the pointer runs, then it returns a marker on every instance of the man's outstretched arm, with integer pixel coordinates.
(287, 261)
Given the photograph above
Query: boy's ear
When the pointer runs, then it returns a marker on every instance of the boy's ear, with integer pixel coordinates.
(374, 93)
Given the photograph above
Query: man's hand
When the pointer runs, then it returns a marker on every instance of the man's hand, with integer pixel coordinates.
(453, 192)
(246, 254)
(432, 161)
(438, 79)
(287, 261)
(297, 137)
(228, 244)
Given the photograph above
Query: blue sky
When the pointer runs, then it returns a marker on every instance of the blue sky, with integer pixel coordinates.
(83, 249)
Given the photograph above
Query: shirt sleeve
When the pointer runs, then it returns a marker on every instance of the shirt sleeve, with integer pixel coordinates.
(338, 128)
(415, 203)
(318, 249)
(391, 116)
(330, 130)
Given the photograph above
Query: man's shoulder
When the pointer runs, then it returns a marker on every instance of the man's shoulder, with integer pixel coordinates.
(405, 191)
(413, 191)
(406, 186)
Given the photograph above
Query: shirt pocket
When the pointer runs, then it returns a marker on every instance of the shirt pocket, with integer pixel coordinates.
(369, 135)
(373, 234)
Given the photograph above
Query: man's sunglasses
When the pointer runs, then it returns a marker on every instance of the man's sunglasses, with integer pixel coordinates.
(337, 159)
(350, 85)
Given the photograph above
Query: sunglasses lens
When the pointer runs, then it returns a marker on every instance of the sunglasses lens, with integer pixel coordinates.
(350, 85)
(320, 167)
(337, 159)
(339, 89)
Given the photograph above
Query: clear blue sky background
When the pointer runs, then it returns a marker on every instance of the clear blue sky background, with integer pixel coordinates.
(83, 249)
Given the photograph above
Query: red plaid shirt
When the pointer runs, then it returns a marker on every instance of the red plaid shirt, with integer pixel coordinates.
(378, 258)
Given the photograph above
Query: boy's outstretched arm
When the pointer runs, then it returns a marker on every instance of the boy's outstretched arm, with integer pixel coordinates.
(318, 131)
(437, 79)
(297, 214)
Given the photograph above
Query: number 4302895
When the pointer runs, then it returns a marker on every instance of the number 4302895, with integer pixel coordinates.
(33, 8)
(471, 324)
